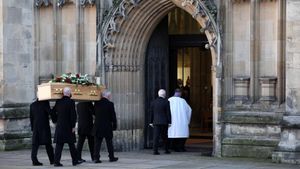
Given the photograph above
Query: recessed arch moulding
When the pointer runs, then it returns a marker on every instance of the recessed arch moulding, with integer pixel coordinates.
(122, 43)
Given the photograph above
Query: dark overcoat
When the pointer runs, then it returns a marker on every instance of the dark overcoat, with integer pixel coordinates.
(39, 122)
(66, 120)
(85, 111)
(105, 119)
(160, 112)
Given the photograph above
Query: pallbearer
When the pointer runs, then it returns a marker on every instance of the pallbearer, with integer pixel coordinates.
(85, 112)
(39, 121)
(105, 123)
(65, 127)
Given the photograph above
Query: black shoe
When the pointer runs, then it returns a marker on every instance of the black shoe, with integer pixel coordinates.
(51, 162)
(58, 165)
(77, 163)
(167, 152)
(113, 159)
(97, 161)
(156, 153)
(81, 161)
(37, 163)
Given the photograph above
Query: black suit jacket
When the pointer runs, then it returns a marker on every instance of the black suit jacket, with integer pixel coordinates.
(85, 112)
(66, 120)
(105, 119)
(160, 112)
(39, 122)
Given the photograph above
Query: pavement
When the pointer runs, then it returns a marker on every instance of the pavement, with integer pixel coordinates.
(142, 159)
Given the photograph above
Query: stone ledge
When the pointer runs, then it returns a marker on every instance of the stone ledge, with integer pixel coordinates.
(8, 136)
(14, 112)
(245, 117)
(291, 122)
(286, 157)
(250, 141)
(15, 144)
(247, 151)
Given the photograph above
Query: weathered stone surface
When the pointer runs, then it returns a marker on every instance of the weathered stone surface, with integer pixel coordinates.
(247, 151)
(250, 117)
(291, 122)
(286, 157)
(251, 141)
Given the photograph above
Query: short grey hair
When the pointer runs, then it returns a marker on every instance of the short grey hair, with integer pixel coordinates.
(106, 93)
(162, 93)
(67, 91)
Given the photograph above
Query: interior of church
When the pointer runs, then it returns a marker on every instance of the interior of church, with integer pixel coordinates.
(193, 74)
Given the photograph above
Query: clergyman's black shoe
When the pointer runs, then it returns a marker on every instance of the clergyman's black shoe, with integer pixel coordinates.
(81, 161)
(156, 153)
(37, 163)
(76, 163)
(113, 159)
(58, 165)
(167, 152)
(97, 161)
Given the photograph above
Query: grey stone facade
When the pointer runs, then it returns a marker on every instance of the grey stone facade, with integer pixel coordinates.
(255, 67)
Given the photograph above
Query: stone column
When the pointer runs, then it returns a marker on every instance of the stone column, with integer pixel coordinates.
(288, 150)
(16, 72)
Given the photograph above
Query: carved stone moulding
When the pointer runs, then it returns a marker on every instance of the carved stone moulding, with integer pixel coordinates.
(268, 88)
(122, 68)
(61, 3)
(241, 89)
(42, 3)
(85, 3)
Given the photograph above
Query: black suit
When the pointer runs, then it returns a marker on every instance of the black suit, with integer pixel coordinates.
(105, 123)
(85, 112)
(39, 121)
(66, 120)
(160, 118)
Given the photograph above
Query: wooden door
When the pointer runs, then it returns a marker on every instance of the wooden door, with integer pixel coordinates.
(156, 72)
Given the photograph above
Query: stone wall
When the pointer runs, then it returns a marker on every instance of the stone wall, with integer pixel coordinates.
(17, 72)
(288, 150)
(253, 69)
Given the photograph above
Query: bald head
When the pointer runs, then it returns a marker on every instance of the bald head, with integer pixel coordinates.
(106, 94)
(67, 91)
(162, 93)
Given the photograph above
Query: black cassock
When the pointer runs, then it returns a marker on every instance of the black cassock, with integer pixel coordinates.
(105, 123)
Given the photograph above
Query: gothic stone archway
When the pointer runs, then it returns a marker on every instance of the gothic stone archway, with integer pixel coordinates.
(122, 44)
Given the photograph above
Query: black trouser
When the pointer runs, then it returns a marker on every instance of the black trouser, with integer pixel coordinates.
(58, 150)
(34, 151)
(160, 131)
(80, 143)
(109, 144)
(178, 144)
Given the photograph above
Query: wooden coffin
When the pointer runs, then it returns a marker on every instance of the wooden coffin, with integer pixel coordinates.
(53, 91)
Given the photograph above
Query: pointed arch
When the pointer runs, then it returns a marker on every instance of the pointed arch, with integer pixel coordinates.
(122, 44)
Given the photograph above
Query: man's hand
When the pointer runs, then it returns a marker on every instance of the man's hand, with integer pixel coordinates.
(73, 130)
(151, 125)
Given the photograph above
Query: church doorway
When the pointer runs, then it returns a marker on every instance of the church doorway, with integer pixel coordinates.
(177, 58)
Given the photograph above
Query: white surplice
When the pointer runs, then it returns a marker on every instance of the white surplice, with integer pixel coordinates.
(181, 116)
